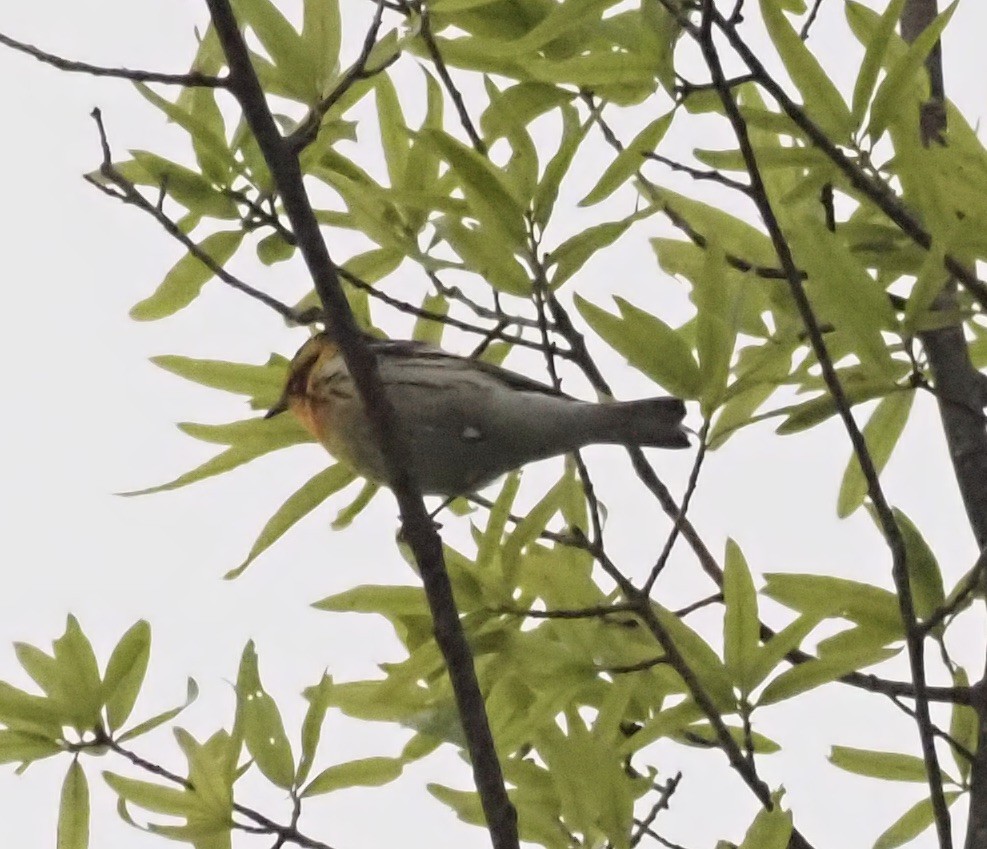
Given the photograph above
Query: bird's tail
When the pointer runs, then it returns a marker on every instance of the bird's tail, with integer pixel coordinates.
(654, 422)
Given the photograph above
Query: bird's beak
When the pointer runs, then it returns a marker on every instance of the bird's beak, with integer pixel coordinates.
(281, 406)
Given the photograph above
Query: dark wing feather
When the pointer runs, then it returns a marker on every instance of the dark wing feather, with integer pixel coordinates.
(422, 350)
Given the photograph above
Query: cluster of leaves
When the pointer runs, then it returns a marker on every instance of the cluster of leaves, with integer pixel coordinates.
(450, 208)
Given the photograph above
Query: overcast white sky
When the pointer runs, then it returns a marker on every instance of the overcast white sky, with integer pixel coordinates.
(87, 416)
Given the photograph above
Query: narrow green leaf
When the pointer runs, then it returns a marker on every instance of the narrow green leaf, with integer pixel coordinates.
(486, 193)
(395, 138)
(187, 187)
(874, 56)
(667, 722)
(815, 673)
(925, 576)
(298, 505)
(822, 99)
(518, 106)
(741, 625)
(701, 659)
(191, 694)
(152, 797)
(577, 250)
(964, 728)
(125, 673)
(429, 329)
(890, 766)
(73, 810)
(26, 712)
(902, 75)
(649, 345)
(186, 278)
(322, 33)
(485, 255)
(263, 730)
(344, 518)
(490, 542)
(773, 652)
(629, 161)
(319, 699)
(882, 432)
(295, 60)
(817, 410)
(912, 823)
(826, 596)
(717, 297)
(283, 431)
(365, 772)
(547, 191)
(262, 383)
(24, 747)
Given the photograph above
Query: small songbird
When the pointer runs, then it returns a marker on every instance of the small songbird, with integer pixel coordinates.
(464, 422)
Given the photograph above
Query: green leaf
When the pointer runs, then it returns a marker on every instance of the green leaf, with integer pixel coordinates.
(902, 75)
(882, 432)
(874, 56)
(298, 505)
(843, 292)
(183, 283)
(702, 661)
(826, 596)
(77, 667)
(344, 518)
(817, 410)
(125, 673)
(150, 796)
(649, 345)
(263, 730)
(24, 747)
(187, 187)
(484, 254)
(429, 329)
(770, 829)
(191, 694)
(575, 251)
(203, 121)
(273, 248)
(518, 106)
(629, 161)
(486, 193)
(73, 810)
(263, 384)
(823, 101)
(912, 823)
(964, 728)
(925, 576)
(667, 722)
(257, 437)
(322, 32)
(890, 766)
(717, 297)
(26, 712)
(547, 191)
(394, 134)
(365, 772)
(319, 699)
(741, 625)
(773, 652)
(295, 59)
(815, 673)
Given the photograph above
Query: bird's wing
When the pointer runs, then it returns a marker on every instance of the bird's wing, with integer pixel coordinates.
(406, 348)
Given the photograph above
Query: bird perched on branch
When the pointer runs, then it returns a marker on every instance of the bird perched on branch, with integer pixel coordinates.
(464, 422)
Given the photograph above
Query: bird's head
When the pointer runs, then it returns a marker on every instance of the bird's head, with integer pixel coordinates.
(315, 350)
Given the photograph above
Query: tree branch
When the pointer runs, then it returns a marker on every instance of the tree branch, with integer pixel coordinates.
(418, 529)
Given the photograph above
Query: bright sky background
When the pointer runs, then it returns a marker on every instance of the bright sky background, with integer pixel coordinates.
(88, 416)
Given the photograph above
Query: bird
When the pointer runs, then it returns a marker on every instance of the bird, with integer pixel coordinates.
(464, 422)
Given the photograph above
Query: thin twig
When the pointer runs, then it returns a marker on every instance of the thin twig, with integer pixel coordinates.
(418, 530)
(128, 193)
(189, 80)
